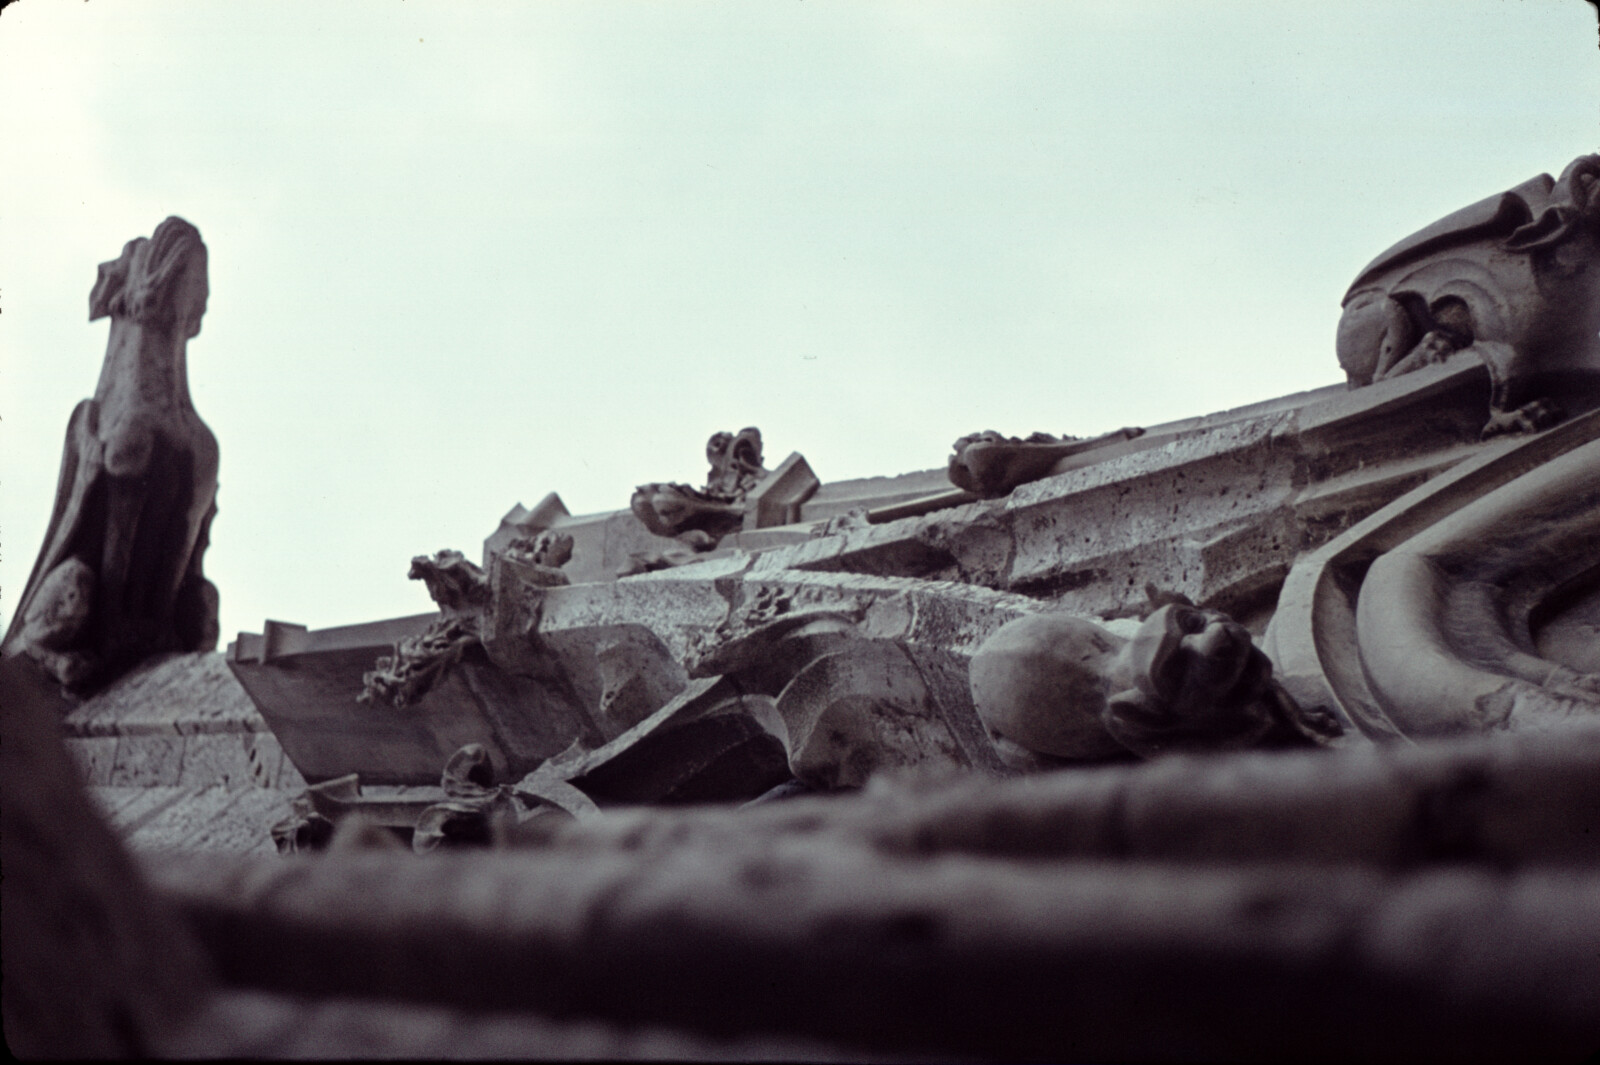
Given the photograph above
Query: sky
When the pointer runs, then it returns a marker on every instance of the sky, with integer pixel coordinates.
(464, 255)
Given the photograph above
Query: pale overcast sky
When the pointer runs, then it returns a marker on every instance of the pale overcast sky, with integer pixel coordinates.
(465, 254)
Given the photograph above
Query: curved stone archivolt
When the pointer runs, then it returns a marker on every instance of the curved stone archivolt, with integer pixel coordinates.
(1426, 618)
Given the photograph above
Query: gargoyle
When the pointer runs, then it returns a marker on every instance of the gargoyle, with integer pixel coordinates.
(1515, 278)
(991, 465)
(421, 661)
(700, 517)
(1190, 679)
(119, 576)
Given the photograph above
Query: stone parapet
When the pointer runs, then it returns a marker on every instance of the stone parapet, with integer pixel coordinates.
(958, 955)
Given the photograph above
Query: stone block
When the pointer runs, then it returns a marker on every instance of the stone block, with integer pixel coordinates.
(777, 499)
(217, 758)
(955, 956)
(242, 826)
(131, 808)
(148, 759)
(95, 756)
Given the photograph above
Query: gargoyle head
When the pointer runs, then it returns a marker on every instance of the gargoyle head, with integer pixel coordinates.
(1199, 681)
(735, 460)
(160, 282)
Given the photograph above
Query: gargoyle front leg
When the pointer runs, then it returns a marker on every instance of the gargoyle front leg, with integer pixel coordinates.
(195, 611)
(1510, 409)
(1532, 417)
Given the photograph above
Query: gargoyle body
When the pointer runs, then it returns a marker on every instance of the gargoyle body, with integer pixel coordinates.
(991, 465)
(1190, 679)
(119, 576)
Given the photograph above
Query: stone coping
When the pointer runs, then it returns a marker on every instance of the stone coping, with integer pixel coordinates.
(959, 955)
(172, 695)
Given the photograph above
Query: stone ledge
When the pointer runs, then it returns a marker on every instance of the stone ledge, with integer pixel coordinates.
(948, 955)
(1505, 801)
(251, 1025)
(173, 695)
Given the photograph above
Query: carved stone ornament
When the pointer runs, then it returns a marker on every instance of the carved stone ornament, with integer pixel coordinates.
(991, 465)
(1513, 278)
(468, 808)
(462, 592)
(119, 577)
(479, 812)
(1191, 679)
(701, 516)
(549, 549)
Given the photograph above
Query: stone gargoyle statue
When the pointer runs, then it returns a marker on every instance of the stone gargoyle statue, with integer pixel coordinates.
(990, 465)
(119, 575)
(460, 588)
(699, 517)
(1515, 277)
(1189, 680)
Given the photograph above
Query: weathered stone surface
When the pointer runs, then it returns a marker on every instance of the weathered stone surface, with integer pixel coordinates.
(1000, 959)
(128, 809)
(211, 819)
(254, 1025)
(94, 757)
(1216, 508)
(231, 759)
(119, 576)
(169, 695)
(1419, 619)
(221, 759)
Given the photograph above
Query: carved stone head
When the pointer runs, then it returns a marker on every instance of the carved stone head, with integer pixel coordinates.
(1041, 682)
(735, 460)
(1198, 680)
(160, 282)
(1374, 332)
